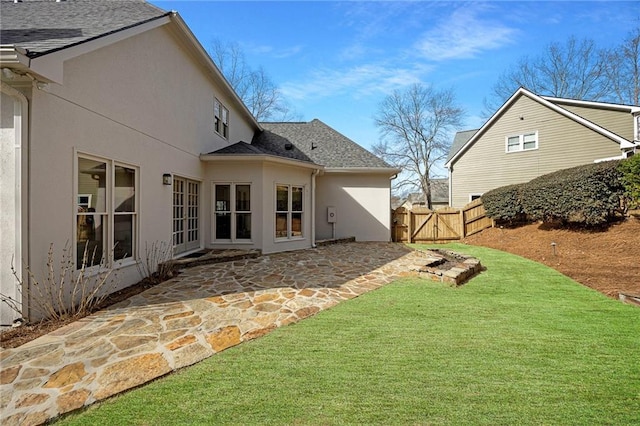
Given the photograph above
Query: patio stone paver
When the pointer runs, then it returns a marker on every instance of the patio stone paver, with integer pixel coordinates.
(202, 311)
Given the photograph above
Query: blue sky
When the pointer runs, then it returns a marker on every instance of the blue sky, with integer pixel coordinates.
(336, 61)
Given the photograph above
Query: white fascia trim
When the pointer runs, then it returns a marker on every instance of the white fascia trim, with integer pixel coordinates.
(206, 60)
(618, 157)
(601, 105)
(50, 65)
(548, 104)
(354, 170)
(13, 57)
(262, 158)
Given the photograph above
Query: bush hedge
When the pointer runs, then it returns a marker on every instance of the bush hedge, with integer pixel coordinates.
(588, 195)
(630, 169)
(503, 204)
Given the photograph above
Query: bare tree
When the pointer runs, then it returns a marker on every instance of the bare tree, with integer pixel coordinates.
(623, 69)
(574, 69)
(416, 131)
(256, 89)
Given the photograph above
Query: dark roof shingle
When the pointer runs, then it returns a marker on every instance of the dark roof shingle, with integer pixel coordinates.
(321, 144)
(459, 140)
(43, 26)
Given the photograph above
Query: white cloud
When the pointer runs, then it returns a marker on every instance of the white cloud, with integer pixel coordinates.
(359, 81)
(463, 35)
(266, 50)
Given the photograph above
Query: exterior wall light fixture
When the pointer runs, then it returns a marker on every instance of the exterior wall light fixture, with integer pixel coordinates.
(166, 179)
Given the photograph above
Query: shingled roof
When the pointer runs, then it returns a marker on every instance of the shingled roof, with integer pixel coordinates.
(41, 26)
(321, 144)
(284, 149)
(459, 140)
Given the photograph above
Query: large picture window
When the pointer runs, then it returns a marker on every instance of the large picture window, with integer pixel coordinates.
(106, 211)
(232, 212)
(289, 211)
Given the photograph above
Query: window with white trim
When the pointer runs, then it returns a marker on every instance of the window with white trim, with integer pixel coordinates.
(289, 211)
(522, 142)
(106, 211)
(221, 119)
(475, 196)
(232, 211)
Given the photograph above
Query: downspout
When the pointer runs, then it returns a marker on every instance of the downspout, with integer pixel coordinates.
(391, 207)
(22, 174)
(313, 207)
(450, 185)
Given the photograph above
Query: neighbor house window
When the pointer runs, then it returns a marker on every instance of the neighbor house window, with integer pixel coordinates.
(106, 212)
(473, 197)
(289, 211)
(523, 142)
(232, 216)
(221, 119)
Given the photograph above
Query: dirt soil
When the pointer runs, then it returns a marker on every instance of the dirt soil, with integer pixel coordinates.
(606, 260)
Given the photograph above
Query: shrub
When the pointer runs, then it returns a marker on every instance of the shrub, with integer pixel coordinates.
(589, 194)
(630, 169)
(156, 266)
(503, 204)
(64, 292)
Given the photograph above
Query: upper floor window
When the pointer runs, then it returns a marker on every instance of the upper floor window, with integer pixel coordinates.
(221, 119)
(523, 142)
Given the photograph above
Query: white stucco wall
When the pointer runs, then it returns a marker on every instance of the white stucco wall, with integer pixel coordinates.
(362, 202)
(141, 101)
(279, 174)
(10, 120)
(263, 177)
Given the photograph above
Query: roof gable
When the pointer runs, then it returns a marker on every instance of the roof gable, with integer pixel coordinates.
(47, 33)
(551, 103)
(41, 27)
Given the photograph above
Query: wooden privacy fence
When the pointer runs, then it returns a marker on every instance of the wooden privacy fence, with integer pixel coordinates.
(442, 225)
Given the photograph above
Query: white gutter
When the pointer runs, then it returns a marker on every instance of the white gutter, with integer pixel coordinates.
(260, 157)
(385, 170)
(13, 57)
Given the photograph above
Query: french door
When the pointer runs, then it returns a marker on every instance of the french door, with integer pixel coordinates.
(186, 215)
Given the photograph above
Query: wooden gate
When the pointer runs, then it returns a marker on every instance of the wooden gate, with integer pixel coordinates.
(442, 225)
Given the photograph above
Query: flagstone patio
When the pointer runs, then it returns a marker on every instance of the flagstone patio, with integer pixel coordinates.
(202, 311)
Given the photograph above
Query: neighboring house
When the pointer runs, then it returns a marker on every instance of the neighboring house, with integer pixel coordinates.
(439, 196)
(532, 135)
(119, 133)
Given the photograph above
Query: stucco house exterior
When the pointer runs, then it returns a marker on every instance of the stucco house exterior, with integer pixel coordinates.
(118, 131)
(532, 135)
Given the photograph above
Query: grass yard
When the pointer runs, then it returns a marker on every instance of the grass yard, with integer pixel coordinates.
(519, 344)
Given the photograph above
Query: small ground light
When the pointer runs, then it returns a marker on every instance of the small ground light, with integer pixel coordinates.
(553, 247)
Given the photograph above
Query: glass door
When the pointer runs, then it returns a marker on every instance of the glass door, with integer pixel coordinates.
(186, 215)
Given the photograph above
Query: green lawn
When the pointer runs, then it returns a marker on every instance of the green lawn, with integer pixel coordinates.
(519, 344)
